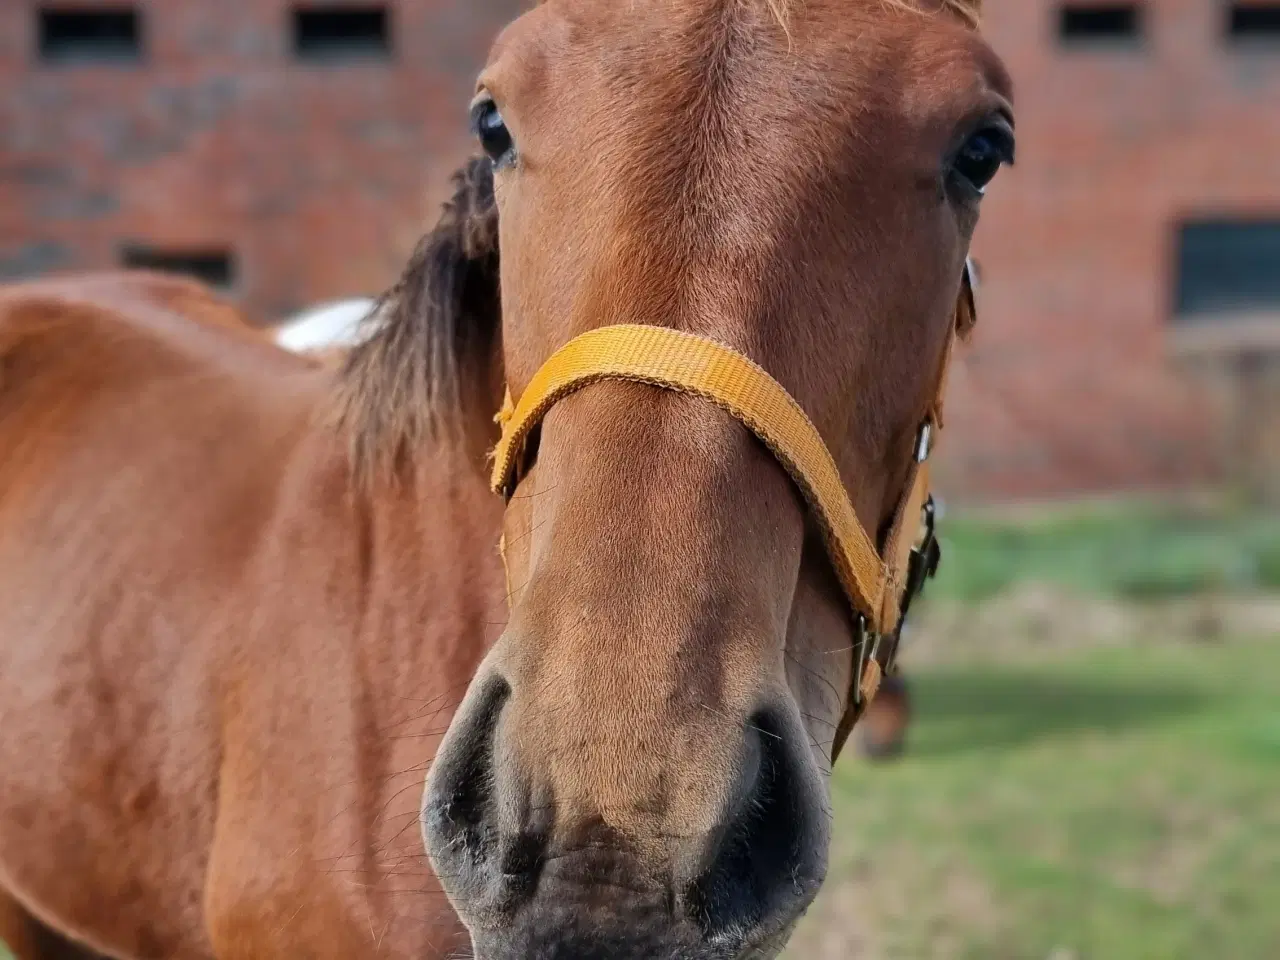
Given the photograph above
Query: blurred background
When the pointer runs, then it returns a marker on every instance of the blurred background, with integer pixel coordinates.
(1091, 768)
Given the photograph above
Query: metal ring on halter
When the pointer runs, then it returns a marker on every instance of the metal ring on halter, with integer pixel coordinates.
(924, 445)
(864, 636)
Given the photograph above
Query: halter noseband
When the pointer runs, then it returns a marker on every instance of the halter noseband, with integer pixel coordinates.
(880, 588)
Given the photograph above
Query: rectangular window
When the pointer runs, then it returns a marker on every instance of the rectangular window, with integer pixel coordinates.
(69, 34)
(1099, 24)
(1227, 267)
(330, 34)
(216, 267)
(1254, 22)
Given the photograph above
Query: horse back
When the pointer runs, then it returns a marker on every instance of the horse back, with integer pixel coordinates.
(143, 431)
(224, 665)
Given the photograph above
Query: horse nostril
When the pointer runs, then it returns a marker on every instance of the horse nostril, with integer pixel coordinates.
(772, 854)
(458, 805)
(521, 864)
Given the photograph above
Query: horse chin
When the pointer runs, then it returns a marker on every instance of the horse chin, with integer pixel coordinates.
(634, 944)
(766, 951)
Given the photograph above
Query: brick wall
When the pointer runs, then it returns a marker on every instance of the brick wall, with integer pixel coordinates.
(320, 179)
(1069, 384)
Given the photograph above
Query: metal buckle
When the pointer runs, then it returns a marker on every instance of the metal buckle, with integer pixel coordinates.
(921, 566)
(972, 275)
(925, 557)
(523, 461)
(863, 637)
(924, 442)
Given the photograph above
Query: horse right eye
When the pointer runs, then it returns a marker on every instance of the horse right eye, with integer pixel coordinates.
(491, 130)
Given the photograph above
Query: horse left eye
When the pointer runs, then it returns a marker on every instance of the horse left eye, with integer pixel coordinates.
(982, 156)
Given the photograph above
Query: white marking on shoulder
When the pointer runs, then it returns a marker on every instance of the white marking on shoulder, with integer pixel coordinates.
(328, 326)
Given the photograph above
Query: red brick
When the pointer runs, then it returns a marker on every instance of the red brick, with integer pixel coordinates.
(319, 178)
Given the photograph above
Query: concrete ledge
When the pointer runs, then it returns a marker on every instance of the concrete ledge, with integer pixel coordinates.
(1226, 334)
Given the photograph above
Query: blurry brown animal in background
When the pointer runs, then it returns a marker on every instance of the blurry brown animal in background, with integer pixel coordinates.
(233, 627)
(882, 731)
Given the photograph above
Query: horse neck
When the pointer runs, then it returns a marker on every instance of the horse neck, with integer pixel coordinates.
(434, 588)
(379, 599)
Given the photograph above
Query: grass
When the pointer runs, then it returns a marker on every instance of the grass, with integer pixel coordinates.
(1073, 802)
(1117, 802)
(1139, 553)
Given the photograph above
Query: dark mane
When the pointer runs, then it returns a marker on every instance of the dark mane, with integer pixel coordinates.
(970, 11)
(432, 334)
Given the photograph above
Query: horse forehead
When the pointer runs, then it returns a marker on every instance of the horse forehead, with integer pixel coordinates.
(770, 63)
(800, 29)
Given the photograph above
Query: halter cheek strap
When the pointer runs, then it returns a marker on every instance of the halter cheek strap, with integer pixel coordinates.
(879, 588)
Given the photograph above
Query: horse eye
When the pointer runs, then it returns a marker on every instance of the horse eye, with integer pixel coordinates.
(982, 156)
(491, 130)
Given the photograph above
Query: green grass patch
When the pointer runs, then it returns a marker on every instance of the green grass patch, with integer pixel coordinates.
(1117, 804)
(1140, 553)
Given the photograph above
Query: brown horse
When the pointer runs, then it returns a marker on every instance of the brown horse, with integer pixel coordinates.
(239, 601)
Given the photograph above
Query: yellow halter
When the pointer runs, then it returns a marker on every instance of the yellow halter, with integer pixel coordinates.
(879, 587)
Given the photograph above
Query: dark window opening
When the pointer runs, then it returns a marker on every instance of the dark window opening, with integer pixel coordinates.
(1249, 22)
(1227, 267)
(330, 33)
(90, 35)
(1099, 24)
(217, 268)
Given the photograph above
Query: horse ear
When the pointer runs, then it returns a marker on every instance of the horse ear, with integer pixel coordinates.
(449, 289)
(475, 212)
(435, 336)
(967, 305)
